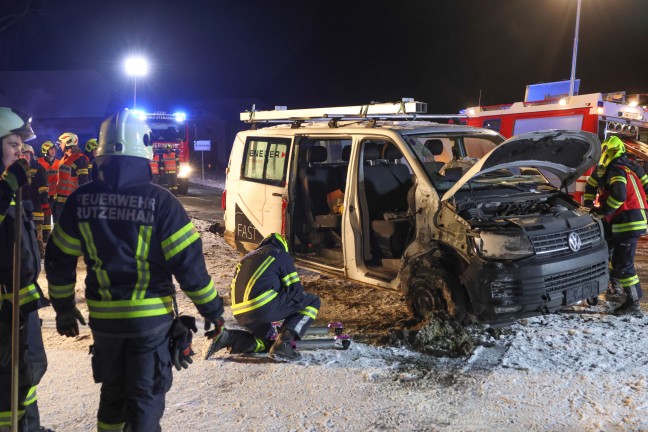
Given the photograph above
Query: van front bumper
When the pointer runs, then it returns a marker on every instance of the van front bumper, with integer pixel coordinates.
(503, 292)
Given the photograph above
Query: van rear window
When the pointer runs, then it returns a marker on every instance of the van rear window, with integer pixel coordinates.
(265, 160)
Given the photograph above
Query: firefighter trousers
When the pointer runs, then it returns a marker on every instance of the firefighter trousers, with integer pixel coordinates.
(25, 375)
(623, 268)
(135, 375)
(38, 364)
(297, 313)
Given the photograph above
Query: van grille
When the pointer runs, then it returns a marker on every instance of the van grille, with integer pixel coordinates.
(579, 276)
(556, 244)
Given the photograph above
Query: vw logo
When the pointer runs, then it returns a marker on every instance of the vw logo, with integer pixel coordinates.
(574, 242)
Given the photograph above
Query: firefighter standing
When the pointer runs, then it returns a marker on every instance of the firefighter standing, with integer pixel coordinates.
(72, 171)
(35, 194)
(171, 162)
(14, 129)
(265, 289)
(623, 206)
(50, 163)
(155, 167)
(134, 236)
(90, 151)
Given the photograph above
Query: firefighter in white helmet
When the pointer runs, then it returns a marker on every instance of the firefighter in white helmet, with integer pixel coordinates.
(15, 128)
(143, 237)
(72, 171)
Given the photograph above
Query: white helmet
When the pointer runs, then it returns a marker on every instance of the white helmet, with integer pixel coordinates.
(125, 134)
(15, 122)
(27, 148)
(68, 139)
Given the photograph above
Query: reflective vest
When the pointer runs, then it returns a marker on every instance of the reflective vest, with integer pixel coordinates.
(623, 202)
(51, 169)
(170, 163)
(70, 168)
(155, 164)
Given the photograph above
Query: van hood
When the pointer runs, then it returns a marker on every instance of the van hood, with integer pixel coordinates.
(565, 153)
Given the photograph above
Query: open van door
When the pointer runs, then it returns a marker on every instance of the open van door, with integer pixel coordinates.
(262, 191)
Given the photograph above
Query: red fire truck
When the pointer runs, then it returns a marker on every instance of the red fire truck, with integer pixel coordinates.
(603, 114)
(172, 129)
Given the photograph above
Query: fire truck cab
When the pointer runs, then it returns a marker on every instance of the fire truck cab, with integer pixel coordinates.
(602, 114)
(172, 130)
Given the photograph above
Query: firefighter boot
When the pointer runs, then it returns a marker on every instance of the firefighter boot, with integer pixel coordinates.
(631, 304)
(285, 347)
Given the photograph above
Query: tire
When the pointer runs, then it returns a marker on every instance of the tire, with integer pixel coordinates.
(183, 186)
(436, 292)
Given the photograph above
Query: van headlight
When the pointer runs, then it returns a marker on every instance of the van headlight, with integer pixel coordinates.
(503, 245)
(185, 171)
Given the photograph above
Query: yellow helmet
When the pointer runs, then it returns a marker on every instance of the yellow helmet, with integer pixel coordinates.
(46, 146)
(91, 144)
(68, 139)
(611, 149)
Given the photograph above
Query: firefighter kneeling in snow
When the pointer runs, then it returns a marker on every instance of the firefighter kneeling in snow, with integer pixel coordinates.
(265, 289)
(134, 236)
(623, 206)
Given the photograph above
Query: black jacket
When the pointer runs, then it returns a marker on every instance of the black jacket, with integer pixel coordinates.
(134, 236)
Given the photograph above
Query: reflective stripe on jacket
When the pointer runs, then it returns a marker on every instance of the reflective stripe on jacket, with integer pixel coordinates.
(170, 162)
(623, 202)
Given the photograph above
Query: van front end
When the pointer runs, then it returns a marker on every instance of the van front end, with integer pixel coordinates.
(564, 267)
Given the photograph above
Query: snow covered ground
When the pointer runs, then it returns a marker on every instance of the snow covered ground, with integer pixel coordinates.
(582, 370)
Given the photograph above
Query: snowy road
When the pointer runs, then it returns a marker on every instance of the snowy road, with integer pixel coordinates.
(582, 370)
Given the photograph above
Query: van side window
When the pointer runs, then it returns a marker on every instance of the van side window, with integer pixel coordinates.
(265, 160)
(493, 124)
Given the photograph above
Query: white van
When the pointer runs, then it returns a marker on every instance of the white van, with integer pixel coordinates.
(454, 217)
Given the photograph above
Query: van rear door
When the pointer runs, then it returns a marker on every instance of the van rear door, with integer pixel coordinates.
(262, 190)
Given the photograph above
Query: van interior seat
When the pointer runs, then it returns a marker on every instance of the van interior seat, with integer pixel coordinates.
(316, 181)
(386, 188)
(435, 146)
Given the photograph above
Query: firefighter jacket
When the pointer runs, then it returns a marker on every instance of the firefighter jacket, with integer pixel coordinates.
(155, 164)
(170, 162)
(37, 190)
(31, 296)
(263, 274)
(72, 172)
(51, 166)
(91, 159)
(593, 182)
(134, 237)
(623, 201)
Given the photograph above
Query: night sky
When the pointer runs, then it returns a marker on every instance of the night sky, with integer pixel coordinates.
(312, 53)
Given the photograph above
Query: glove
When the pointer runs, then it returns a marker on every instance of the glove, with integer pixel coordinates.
(219, 324)
(17, 174)
(66, 323)
(181, 338)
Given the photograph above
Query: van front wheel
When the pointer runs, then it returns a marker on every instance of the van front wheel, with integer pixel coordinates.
(434, 292)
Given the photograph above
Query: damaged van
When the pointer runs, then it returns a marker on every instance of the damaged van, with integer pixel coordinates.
(459, 220)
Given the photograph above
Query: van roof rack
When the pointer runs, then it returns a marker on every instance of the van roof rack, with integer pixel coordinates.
(408, 109)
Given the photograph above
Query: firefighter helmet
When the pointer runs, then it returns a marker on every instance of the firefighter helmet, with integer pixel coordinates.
(15, 122)
(68, 139)
(91, 144)
(27, 148)
(46, 146)
(611, 149)
(125, 134)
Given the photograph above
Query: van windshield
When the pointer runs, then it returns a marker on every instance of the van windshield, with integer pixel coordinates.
(438, 153)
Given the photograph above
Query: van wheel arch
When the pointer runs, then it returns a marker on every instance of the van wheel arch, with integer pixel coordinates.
(433, 286)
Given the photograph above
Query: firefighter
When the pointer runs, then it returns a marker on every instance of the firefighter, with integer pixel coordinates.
(623, 207)
(266, 288)
(155, 167)
(50, 163)
(15, 128)
(134, 237)
(72, 171)
(35, 194)
(90, 151)
(171, 162)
